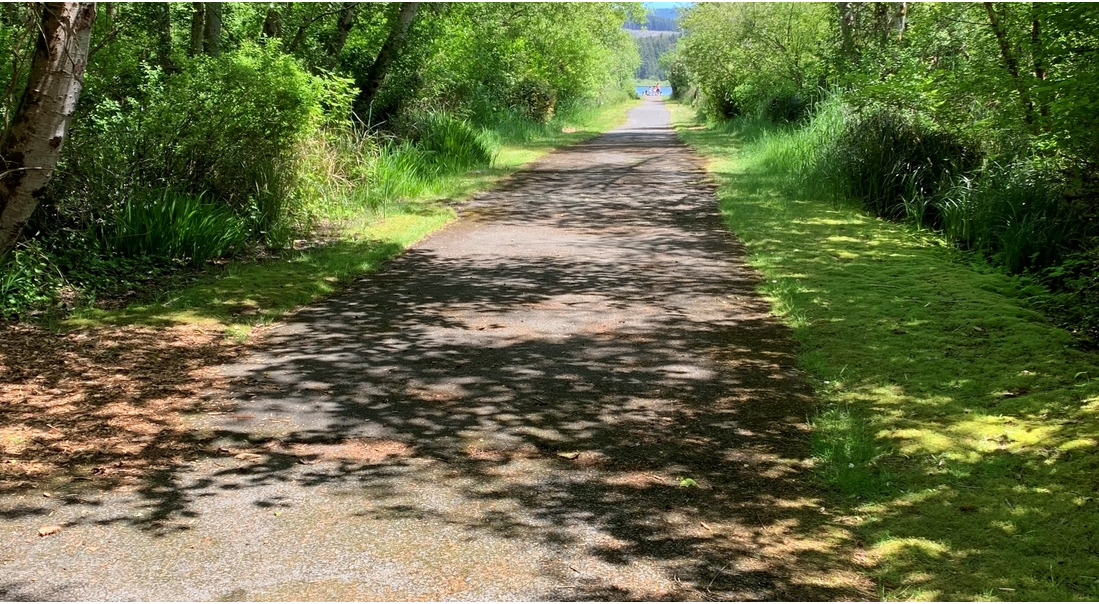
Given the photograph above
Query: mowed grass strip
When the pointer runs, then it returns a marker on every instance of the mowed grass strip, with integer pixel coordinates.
(240, 295)
(957, 428)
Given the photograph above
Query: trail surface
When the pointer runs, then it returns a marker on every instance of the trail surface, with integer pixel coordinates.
(573, 392)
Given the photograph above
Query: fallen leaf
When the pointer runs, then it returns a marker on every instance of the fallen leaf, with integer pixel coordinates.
(48, 530)
(247, 456)
(569, 454)
(705, 526)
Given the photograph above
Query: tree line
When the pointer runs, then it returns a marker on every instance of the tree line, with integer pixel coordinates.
(979, 120)
(651, 48)
(243, 115)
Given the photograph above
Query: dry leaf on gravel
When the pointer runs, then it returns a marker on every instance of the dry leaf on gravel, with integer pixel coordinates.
(48, 530)
(111, 395)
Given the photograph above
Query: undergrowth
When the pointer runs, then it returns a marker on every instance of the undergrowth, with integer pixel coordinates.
(175, 226)
(369, 200)
(958, 428)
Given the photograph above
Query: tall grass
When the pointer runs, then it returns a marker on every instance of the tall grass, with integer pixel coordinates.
(353, 173)
(1012, 212)
(901, 168)
(28, 279)
(176, 226)
(803, 154)
(895, 165)
(455, 144)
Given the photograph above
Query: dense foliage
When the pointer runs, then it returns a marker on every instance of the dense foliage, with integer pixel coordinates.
(205, 129)
(980, 120)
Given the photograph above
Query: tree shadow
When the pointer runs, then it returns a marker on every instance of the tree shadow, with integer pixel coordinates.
(581, 367)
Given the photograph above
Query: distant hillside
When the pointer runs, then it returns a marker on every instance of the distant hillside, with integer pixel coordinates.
(654, 23)
(661, 19)
(651, 47)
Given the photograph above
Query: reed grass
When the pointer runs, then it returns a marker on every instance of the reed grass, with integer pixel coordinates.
(176, 226)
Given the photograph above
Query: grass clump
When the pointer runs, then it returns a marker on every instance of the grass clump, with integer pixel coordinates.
(896, 166)
(175, 226)
(28, 280)
(1014, 213)
(957, 425)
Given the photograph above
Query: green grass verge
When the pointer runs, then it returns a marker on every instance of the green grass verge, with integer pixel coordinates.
(241, 294)
(956, 425)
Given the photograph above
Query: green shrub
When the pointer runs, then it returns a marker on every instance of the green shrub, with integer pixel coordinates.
(1013, 212)
(223, 118)
(896, 165)
(228, 128)
(28, 279)
(175, 226)
(787, 108)
(454, 144)
(536, 99)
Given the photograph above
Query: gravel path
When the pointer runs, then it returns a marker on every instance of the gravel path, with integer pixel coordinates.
(573, 392)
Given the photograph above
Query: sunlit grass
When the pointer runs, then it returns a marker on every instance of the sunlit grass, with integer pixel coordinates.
(242, 294)
(956, 423)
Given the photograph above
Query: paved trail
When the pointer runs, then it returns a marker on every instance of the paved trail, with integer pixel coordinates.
(506, 412)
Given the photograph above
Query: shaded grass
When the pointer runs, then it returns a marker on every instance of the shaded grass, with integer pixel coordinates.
(957, 426)
(242, 294)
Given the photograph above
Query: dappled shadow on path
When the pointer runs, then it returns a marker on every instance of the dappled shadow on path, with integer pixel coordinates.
(580, 366)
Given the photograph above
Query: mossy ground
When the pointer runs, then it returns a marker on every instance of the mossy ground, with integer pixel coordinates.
(242, 294)
(957, 426)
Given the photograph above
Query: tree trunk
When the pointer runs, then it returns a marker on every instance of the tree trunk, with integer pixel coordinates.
(898, 19)
(198, 25)
(32, 146)
(272, 23)
(881, 22)
(847, 32)
(163, 17)
(300, 35)
(211, 36)
(398, 33)
(343, 27)
(1011, 63)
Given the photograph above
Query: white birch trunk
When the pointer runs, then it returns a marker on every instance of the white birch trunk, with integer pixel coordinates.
(32, 145)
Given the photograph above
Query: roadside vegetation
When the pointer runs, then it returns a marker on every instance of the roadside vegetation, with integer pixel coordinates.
(231, 161)
(958, 427)
(915, 184)
(243, 292)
